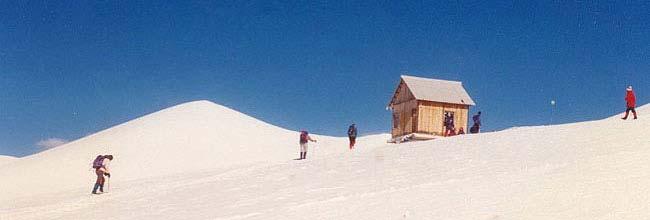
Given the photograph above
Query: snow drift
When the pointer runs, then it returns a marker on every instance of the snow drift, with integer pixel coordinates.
(588, 170)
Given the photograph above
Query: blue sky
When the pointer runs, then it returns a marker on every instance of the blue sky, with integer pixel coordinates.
(68, 69)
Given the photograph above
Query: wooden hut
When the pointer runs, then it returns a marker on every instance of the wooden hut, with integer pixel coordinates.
(419, 106)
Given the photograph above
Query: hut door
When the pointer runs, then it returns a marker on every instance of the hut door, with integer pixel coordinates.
(414, 122)
(403, 120)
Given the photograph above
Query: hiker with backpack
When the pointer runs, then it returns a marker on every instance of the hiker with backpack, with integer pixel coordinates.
(631, 103)
(304, 139)
(101, 169)
(352, 135)
(477, 124)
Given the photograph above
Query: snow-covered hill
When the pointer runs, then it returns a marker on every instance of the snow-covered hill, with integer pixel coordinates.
(190, 137)
(589, 170)
(6, 159)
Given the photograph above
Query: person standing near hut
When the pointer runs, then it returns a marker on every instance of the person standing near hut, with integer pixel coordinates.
(352, 135)
(449, 125)
(477, 123)
(304, 139)
(631, 103)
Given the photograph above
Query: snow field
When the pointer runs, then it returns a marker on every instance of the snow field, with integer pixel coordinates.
(588, 170)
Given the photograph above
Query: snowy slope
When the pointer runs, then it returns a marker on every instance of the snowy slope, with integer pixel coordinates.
(589, 170)
(6, 159)
(193, 136)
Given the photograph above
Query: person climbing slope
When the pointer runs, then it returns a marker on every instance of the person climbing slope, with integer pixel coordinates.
(631, 103)
(304, 139)
(101, 169)
(352, 135)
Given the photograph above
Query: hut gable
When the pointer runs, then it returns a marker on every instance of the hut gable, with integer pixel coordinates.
(436, 90)
(402, 94)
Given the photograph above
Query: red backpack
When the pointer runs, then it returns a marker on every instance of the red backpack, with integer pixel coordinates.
(98, 162)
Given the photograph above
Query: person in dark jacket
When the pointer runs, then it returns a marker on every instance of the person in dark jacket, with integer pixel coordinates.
(445, 124)
(450, 129)
(352, 135)
(631, 103)
(477, 124)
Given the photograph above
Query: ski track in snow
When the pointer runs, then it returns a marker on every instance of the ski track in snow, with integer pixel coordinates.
(572, 171)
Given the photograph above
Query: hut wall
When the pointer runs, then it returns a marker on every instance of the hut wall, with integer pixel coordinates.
(404, 112)
(405, 118)
(431, 116)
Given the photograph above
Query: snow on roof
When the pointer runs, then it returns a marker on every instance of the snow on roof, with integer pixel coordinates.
(437, 90)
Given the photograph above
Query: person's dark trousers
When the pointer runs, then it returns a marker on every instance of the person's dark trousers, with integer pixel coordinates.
(627, 112)
(99, 183)
(352, 141)
(95, 188)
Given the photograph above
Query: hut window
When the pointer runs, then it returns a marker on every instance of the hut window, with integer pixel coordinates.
(395, 120)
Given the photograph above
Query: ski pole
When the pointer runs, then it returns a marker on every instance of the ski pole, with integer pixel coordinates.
(108, 184)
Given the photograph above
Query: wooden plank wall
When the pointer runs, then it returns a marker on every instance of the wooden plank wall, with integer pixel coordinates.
(404, 110)
(431, 115)
(403, 104)
(430, 118)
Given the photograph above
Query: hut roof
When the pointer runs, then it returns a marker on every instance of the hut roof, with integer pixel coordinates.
(437, 90)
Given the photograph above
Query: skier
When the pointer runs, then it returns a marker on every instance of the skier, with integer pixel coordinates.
(631, 103)
(477, 123)
(352, 135)
(101, 169)
(304, 139)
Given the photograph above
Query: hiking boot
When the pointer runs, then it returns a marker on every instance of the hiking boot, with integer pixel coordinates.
(95, 188)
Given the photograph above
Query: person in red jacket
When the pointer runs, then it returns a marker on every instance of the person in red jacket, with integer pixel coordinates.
(631, 103)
